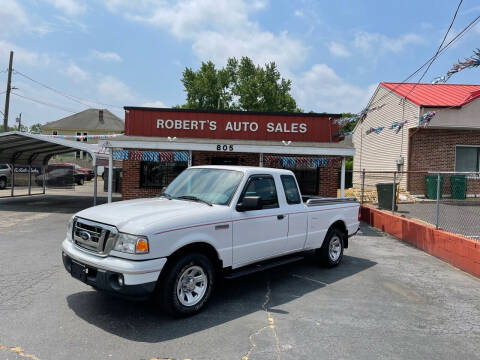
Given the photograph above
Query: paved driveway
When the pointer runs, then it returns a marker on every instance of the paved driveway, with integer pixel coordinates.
(386, 301)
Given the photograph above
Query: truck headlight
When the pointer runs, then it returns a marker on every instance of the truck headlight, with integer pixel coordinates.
(70, 228)
(132, 244)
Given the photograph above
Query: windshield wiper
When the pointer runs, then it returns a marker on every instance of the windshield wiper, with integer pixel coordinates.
(168, 196)
(194, 198)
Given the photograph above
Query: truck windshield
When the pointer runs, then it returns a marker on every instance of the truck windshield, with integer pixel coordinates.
(216, 186)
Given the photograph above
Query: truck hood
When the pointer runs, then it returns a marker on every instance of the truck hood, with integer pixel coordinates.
(148, 216)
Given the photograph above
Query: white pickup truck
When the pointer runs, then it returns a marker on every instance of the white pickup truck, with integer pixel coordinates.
(210, 221)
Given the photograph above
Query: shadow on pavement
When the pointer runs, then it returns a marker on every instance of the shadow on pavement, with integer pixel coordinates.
(145, 322)
(367, 230)
(65, 204)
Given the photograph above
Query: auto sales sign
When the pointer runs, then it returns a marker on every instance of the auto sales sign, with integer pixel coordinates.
(230, 125)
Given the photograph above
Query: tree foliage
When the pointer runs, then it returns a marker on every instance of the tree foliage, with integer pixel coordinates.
(240, 85)
(348, 126)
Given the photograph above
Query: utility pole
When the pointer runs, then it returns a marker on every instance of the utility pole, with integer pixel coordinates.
(7, 96)
(19, 120)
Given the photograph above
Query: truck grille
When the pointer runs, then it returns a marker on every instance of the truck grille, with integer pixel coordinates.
(93, 236)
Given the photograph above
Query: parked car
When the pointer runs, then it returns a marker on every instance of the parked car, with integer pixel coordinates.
(89, 173)
(61, 175)
(210, 221)
(5, 175)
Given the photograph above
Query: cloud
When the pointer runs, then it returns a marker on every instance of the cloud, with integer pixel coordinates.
(298, 13)
(69, 7)
(107, 56)
(261, 47)
(154, 104)
(337, 49)
(217, 29)
(322, 89)
(371, 43)
(76, 73)
(22, 55)
(12, 17)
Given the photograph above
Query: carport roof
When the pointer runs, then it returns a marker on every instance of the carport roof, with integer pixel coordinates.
(22, 148)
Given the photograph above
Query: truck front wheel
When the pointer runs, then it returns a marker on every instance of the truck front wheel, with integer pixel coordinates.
(331, 252)
(187, 285)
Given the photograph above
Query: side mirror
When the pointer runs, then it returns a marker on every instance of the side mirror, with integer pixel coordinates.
(250, 203)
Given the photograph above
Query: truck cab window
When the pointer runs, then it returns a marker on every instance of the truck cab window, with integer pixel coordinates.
(264, 187)
(291, 189)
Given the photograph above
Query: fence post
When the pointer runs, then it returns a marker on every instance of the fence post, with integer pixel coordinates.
(437, 210)
(363, 185)
(394, 191)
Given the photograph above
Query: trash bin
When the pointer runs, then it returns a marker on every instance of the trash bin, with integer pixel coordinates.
(385, 196)
(458, 186)
(431, 186)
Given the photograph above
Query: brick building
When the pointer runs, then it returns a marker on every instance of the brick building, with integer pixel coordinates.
(449, 142)
(160, 143)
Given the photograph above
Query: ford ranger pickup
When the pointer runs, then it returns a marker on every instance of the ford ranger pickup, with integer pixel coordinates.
(210, 221)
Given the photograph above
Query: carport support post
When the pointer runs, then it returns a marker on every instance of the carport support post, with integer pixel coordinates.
(437, 207)
(342, 179)
(94, 180)
(44, 176)
(110, 174)
(13, 180)
(29, 179)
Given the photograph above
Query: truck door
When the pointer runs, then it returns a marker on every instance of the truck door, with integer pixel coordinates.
(297, 220)
(259, 234)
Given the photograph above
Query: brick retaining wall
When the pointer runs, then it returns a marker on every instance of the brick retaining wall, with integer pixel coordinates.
(457, 250)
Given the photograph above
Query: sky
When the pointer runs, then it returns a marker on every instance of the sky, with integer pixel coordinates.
(115, 53)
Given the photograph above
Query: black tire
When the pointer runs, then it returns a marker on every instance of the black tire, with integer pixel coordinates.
(168, 284)
(81, 181)
(3, 182)
(327, 254)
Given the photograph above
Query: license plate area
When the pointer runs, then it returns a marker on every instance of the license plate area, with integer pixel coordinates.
(79, 271)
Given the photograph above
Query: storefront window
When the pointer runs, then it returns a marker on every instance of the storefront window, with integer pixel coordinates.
(158, 175)
(467, 158)
(308, 180)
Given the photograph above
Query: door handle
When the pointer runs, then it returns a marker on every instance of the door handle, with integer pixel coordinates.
(280, 217)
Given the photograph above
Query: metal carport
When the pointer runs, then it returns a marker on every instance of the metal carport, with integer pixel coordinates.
(20, 148)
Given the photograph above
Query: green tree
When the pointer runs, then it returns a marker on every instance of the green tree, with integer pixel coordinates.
(10, 128)
(36, 128)
(240, 85)
(350, 125)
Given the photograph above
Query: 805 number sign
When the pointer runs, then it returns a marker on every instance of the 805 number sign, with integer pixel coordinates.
(224, 147)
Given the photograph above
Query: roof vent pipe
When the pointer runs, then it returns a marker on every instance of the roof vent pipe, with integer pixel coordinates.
(100, 116)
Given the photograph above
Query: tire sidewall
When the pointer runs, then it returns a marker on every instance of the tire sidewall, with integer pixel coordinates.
(171, 303)
(3, 183)
(326, 260)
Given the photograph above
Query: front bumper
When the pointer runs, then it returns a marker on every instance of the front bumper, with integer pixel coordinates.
(103, 273)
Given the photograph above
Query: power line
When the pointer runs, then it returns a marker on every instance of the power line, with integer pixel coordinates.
(438, 50)
(76, 99)
(450, 43)
(41, 102)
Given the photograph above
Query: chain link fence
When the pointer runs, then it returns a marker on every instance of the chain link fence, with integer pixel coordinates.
(446, 200)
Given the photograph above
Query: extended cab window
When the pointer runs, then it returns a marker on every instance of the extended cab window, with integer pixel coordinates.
(264, 187)
(291, 189)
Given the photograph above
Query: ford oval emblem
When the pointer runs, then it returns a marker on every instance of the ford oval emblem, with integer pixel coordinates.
(84, 235)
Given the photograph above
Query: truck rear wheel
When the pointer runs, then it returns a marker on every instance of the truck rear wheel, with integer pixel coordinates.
(187, 286)
(331, 252)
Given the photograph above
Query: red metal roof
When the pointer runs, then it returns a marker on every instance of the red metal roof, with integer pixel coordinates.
(437, 95)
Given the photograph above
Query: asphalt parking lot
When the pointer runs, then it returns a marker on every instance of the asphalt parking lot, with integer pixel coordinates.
(387, 300)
